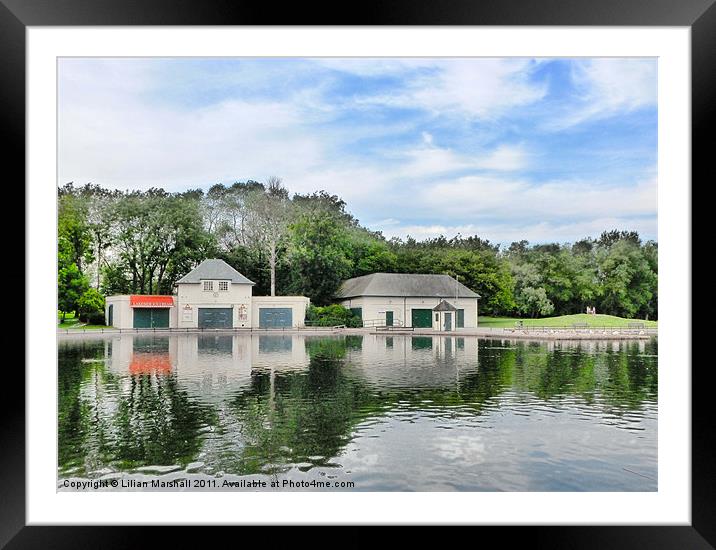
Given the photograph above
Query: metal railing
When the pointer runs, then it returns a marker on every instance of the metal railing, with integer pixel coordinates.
(374, 323)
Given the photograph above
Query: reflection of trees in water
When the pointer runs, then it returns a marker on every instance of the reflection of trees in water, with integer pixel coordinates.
(148, 421)
(299, 417)
(157, 423)
(622, 379)
(81, 433)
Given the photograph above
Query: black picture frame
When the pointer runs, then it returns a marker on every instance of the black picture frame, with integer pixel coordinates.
(699, 15)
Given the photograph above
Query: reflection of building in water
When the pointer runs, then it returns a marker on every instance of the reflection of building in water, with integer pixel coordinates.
(211, 357)
(429, 361)
(228, 360)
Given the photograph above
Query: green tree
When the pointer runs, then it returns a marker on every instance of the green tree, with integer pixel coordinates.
(71, 285)
(90, 306)
(320, 252)
(160, 237)
(72, 226)
(530, 296)
(627, 281)
(370, 254)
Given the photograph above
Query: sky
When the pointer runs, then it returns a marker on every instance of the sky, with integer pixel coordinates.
(547, 150)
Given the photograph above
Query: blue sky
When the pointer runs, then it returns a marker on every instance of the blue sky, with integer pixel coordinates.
(504, 148)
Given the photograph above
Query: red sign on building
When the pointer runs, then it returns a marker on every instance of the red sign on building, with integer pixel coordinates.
(139, 300)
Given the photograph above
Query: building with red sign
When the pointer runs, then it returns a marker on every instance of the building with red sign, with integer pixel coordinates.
(212, 296)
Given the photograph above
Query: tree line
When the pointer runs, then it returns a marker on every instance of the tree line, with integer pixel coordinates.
(142, 242)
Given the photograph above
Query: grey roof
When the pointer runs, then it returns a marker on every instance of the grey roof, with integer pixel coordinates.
(214, 269)
(405, 285)
(444, 306)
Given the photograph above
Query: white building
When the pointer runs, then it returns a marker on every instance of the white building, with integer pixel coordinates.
(411, 300)
(213, 295)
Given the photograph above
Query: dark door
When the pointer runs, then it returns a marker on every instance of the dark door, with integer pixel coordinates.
(422, 318)
(460, 318)
(448, 321)
(275, 317)
(388, 318)
(110, 315)
(216, 317)
(149, 317)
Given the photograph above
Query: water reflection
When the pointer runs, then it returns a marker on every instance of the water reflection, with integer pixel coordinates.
(286, 404)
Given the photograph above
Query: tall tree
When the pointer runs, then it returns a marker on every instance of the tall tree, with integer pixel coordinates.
(71, 284)
(72, 225)
(270, 216)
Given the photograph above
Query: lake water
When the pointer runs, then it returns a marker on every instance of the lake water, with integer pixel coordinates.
(358, 413)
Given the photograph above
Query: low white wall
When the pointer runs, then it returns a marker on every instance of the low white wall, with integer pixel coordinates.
(122, 316)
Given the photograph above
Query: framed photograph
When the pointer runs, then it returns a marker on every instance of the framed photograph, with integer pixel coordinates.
(429, 266)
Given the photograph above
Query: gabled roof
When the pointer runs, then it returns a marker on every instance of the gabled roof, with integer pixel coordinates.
(214, 269)
(405, 285)
(444, 306)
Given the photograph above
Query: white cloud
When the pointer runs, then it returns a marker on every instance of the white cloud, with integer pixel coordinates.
(494, 196)
(483, 88)
(609, 86)
(505, 158)
(111, 134)
(430, 160)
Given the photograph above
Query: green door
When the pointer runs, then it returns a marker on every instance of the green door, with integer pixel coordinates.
(388, 318)
(275, 317)
(216, 317)
(151, 317)
(460, 318)
(110, 315)
(422, 318)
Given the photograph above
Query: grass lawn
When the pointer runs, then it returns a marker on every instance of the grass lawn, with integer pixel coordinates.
(80, 326)
(564, 321)
(72, 322)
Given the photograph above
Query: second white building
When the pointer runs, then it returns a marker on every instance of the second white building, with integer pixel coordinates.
(415, 300)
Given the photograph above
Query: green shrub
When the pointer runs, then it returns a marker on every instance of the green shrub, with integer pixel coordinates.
(96, 318)
(329, 316)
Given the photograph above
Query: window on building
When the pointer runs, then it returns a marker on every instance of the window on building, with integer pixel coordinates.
(209, 285)
(223, 285)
